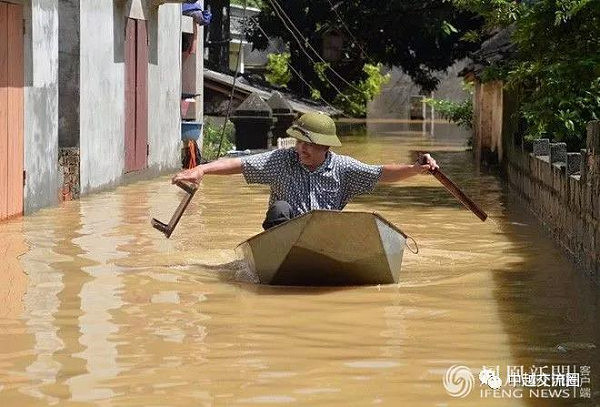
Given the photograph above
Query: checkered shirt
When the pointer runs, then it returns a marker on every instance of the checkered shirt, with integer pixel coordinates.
(331, 186)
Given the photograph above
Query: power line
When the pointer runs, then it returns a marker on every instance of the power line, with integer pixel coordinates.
(294, 69)
(311, 47)
(334, 8)
(279, 11)
(302, 47)
(237, 68)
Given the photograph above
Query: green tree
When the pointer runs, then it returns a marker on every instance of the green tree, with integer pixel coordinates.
(420, 37)
(555, 68)
(354, 100)
(214, 136)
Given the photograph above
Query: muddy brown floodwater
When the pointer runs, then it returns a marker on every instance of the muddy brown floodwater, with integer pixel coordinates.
(98, 308)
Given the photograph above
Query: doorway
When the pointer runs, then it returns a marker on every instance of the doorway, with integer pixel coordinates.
(11, 110)
(136, 95)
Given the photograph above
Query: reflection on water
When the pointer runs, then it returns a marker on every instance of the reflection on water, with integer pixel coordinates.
(98, 307)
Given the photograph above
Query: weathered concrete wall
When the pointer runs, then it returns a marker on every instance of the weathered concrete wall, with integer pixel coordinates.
(102, 96)
(192, 74)
(164, 89)
(68, 73)
(563, 191)
(102, 88)
(41, 104)
(488, 114)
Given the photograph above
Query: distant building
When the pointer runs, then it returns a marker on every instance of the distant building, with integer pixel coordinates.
(401, 98)
(232, 19)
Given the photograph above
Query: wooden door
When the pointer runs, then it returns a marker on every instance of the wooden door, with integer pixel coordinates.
(11, 110)
(136, 95)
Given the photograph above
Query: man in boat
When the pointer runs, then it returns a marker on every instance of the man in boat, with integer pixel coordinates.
(309, 175)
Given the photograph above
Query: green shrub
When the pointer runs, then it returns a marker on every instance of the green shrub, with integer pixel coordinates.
(460, 113)
(555, 67)
(212, 137)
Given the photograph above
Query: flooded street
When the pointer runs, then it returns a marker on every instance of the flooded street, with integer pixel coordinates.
(98, 308)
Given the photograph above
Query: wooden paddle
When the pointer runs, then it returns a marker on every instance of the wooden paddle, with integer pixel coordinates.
(455, 190)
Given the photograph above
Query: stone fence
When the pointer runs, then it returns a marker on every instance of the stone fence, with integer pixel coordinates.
(563, 190)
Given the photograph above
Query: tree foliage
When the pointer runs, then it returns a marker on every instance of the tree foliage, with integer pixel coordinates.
(420, 37)
(214, 136)
(556, 66)
(278, 73)
(460, 113)
(354, 100)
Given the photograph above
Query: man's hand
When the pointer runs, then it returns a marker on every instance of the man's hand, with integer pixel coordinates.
(426, 163)
(192, 175)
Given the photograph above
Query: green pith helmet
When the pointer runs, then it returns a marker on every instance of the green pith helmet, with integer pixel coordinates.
(316, 128)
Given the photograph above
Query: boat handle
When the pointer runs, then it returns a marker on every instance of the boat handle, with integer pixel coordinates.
(416, 251)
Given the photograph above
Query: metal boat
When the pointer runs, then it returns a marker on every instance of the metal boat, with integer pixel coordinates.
(327, 248)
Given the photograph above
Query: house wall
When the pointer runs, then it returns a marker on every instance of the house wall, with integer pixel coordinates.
(487, 120)
(101, 94)
(41, 104)
(68, 73)
(102, 88)
(164, 90)
(192, 73)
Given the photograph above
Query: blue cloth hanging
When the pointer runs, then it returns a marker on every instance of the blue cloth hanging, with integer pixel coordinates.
(186, 7)
(201, 17)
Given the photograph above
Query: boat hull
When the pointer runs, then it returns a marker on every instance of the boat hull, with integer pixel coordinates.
(327, 248)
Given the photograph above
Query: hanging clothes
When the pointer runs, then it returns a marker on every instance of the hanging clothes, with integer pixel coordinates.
(194, 10)
(191, 156)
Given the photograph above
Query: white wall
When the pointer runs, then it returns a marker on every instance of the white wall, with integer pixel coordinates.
(41, 103)
(102, 95)
(200, 79)
(164, 91)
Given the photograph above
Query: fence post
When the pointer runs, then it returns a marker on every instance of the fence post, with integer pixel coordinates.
(541, 147)
(573, 163)
(558, 153)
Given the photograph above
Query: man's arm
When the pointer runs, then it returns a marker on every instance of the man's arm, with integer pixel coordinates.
(398, 172)
(219, 167)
